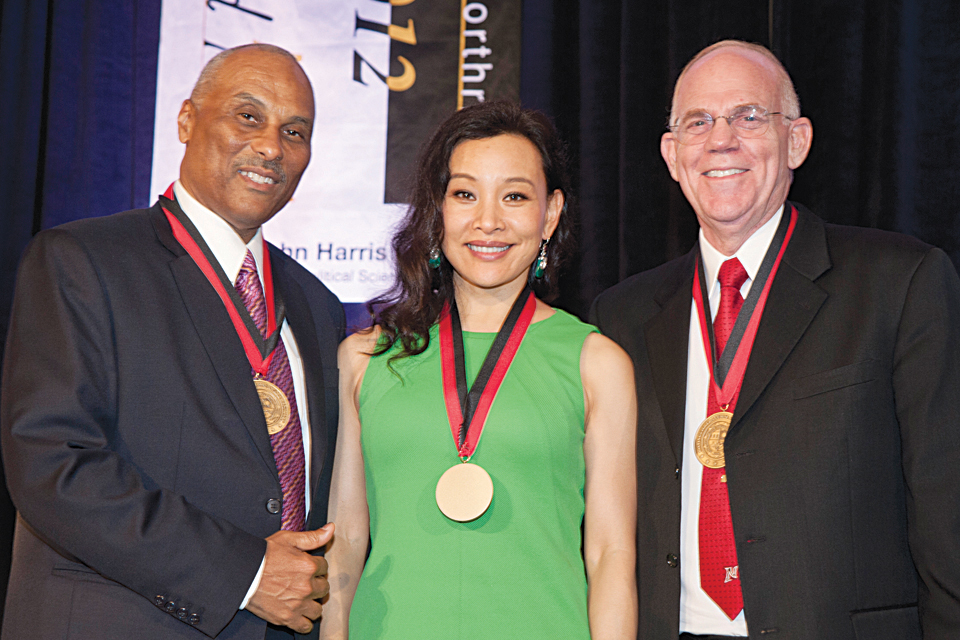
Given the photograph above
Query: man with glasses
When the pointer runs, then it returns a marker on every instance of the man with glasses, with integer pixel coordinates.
(799, 393)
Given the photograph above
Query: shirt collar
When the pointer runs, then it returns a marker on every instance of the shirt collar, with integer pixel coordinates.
(227, 247)
(750, 253)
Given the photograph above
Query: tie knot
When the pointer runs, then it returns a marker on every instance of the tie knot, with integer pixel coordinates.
(732, 274)
(248, 280)
(250, 265)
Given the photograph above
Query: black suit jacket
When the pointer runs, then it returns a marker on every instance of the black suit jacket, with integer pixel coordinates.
(134, 443)
(843, 457)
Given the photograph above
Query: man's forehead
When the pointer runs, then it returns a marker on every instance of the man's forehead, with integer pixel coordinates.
(733, 56)
(733, 75)
(264, 81)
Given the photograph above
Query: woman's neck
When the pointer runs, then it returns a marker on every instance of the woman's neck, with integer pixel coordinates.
(484, 310)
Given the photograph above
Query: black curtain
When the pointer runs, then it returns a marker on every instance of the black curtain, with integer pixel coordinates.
(880, 80)
(77, 90)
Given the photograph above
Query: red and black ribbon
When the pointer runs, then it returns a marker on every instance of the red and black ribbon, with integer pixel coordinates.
(467, 410)
(726, 373)
(259, 351)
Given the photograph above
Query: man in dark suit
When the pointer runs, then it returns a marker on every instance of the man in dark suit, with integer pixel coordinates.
(805, 482)
(136, 401)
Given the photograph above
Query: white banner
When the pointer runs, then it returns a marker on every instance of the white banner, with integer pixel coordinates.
(402, 65)
(337, 224)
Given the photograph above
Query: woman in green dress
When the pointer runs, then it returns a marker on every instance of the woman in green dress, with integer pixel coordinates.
(479, 538)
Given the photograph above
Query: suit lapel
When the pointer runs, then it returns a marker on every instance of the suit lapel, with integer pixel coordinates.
(667, 336)
(304, 330)
(793, 302)
(222, 346)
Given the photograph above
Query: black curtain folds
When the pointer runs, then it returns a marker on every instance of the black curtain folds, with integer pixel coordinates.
(78, 89)
(880, 80)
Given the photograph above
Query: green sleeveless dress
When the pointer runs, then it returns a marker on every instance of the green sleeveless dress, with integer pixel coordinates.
(515, 572)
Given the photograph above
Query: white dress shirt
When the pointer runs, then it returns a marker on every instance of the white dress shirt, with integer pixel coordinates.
(699, 614)
(229, 250)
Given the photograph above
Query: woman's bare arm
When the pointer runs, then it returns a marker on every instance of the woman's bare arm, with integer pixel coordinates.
(610, 519)
(348, 492)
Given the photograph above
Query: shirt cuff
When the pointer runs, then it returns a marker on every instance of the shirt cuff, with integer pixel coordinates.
(256, 583)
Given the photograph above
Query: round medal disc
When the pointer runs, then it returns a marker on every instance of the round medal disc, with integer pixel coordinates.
(276, 407)
(464, 492)
(709, 439)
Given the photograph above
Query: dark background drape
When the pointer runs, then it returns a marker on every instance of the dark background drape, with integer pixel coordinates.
(880, 80)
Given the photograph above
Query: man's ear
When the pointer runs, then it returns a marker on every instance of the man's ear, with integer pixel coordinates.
(185, 120)
(668, 149)
(800, 140)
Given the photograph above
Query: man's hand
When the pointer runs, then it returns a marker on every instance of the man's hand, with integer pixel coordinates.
(292, 580)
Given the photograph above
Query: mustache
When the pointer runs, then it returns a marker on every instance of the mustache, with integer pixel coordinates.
(272, 166)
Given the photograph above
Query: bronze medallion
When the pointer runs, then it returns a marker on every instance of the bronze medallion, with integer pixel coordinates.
(709, 440)
(464, 492)
(276, 406)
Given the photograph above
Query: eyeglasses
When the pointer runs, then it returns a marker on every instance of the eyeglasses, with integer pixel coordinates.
(748, 121)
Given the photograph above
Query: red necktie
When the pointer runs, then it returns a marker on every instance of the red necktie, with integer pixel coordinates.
(719, 571)
(287, 443)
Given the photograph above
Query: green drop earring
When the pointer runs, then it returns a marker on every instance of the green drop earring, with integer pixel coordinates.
(541, 264)
(433, 258)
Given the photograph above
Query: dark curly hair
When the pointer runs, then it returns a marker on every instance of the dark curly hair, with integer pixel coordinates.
(414, 302)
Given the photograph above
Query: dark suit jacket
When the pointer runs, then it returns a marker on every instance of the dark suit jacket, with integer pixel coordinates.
(843, 458)
(134, 443)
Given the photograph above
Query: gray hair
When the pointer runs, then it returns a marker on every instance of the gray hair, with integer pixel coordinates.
(790, 102)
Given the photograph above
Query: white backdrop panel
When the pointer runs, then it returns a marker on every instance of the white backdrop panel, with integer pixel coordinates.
(337, 225)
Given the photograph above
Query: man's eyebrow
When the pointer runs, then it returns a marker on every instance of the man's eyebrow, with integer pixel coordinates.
(697, 111)
(306, 122)
(249, 97)
(701, 110)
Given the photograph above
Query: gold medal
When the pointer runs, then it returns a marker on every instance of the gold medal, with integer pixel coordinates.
(464, 492)
(709, 439)
(276, 406)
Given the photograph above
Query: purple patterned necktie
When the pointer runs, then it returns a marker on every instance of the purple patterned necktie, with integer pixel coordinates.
(288, 443)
